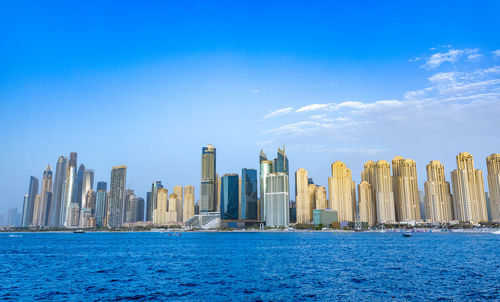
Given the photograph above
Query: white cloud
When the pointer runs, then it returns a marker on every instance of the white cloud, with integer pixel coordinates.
(496, 53)
(313, 107)
(279, 112)
(475, 56)
(452, 56)
(255, 91)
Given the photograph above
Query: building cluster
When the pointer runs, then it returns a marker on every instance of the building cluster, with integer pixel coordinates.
(68, 199)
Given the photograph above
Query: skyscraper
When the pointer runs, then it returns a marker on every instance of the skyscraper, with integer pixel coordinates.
(469, 203)
(36, 208)
(132, 204)
(69, 191)
(208, 179)
(87, 211)
(117, 210)
(160, 212)
(281, 161)
(101, 208)
(229, 197)
(266, 168)
(277, 200)
(140, 209)
(437, 199)
(149, 207)
(248, 197)
(154, 200)
(405, 188)
(45, 199)
(80, 195)
(179, 198)
(493, 164)
(366, 204)
(58, 193)
(321, 201)
(302, 198)
(188, 206)
(29, 203)
(342, 192)
(172, 212)
(86, 199)
(378, 175)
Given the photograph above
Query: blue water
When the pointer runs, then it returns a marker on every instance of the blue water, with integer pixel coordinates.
(249, 266)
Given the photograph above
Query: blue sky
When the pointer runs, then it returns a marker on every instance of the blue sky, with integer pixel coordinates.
(149, 84)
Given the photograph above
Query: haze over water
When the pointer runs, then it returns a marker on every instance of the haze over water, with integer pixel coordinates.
(249, 266)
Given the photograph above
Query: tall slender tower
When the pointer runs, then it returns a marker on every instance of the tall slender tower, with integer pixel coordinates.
(469, 201)
(266, 168)
(117, 210)
(493, 164)
(321, 201)
(179, 198)
(69, 191)
(160, 212)
(46, 198)
(80, 196)
(277, 200)
(342, 192)
(29, 203)
(405, 188)
(384, 193)
(229, 197)
(302, 198)
(58, 192)
(208, 179)
(188, 207)
(438, 202)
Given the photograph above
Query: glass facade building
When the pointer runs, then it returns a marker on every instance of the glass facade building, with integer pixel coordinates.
(249, 194)
(117, 209)
(57, 193)
(277, 200)
(101, 207)
(229, 207)
(208, 202)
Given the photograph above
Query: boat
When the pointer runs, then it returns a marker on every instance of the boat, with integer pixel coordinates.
(78, 231)
(406, 234)
(496, 232)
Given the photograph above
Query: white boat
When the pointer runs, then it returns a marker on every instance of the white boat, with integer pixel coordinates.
(496, 232)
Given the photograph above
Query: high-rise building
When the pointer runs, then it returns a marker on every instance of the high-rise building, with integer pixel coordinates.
(208, 179)
(69, 190)
(422, 204)
(366, 204)
(29, 203)
(280, 163)
(101, 209)
(117, 210)
(248, 197)
(378, 175)
(277, 200)
(218, 190)
(266, 168)
(179, 198)
(80, 195)
(154, 200)
(172, 213)
(160, 212)
(469, 203)
(13, 218)
(321, 201)
(57, 193)
(493, 164)
(188, 206)
(229, 197)
(36, 208)
(149, 207)
(87, 183)
(140, 209)
(302, 198)
(87, 211)
(132, 203)
(45, 199)
(405, 188)
(342, 192)
(437, 199)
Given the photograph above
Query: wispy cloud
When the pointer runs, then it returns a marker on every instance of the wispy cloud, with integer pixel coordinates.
(255, 91)
(496, 53)
(279, 112)
(313, 107)
(452, 56)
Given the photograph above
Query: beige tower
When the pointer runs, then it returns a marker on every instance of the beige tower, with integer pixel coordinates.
(321, 201)
(469, 202)
(366, 204)
(381, 190)
(342, 192)
(405, 188)
(313, 190)
(36, 210)
(160, 213)
(438, 202)
(172, 208)
(218, 189)
(302, 201)
(493, 163)
(178, 193)
(188, 206)
(368, 175)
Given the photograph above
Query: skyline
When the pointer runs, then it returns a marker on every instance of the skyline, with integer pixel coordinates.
(151, 87)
